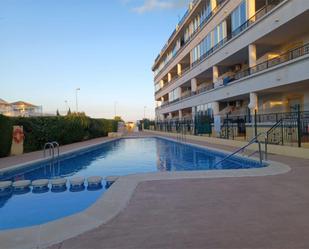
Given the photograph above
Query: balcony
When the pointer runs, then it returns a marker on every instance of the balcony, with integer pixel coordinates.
(285, 57)
(199, 28)
(268, 64)
(258, 15)
(170, 39)
(173, 79)
(188, 94)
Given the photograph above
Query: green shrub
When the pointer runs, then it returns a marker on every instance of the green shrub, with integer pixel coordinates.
(63, 129)
(147, 123)
(6, 129)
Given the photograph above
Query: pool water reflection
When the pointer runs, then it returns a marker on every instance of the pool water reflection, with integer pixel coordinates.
(120, 157)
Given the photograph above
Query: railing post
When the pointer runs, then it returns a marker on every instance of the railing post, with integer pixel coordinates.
(227, 126)
(260, 151)
(266, 149)
(245, 127)
(194, 124)
(282, 139)
(255, 123)
(299, 132)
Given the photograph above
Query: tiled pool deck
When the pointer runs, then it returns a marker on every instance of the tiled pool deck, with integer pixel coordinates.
(248, 212)
(234, 213)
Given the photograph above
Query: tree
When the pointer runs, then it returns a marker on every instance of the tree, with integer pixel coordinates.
(118, 118)
(57, 113)
(146, 123)
(69, 112)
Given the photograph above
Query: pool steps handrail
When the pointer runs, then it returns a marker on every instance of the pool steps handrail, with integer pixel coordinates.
(56, 144)
(252, 141)
(51, 147)
(181, 134)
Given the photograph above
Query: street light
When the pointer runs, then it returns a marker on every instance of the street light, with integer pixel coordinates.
(115, 105)
(77, 89)
(67, 105)
(145, 111)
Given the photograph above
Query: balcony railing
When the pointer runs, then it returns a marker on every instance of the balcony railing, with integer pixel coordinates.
(194, 33)
(285, 57)
(258, 15)
(188, 94)
(173, 79)
(205, 88)
(173, 33)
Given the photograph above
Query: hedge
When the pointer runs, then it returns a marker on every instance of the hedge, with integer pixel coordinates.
(147, 123)
(5, 135)
(63, 129)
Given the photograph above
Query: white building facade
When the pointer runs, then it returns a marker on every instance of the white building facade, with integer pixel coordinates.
(235, 57)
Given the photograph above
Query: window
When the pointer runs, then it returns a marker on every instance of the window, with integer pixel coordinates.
(196, 23)
(195, 54)
(202, 48)
(157, 87)
(187, 34)
(174, 95)
(205, 109)
(170, 96)
(207, 42)
(174, 50)
(219, 33)
(239, 15)
(208, 9)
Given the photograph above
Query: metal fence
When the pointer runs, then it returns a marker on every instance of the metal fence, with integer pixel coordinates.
(289, 128)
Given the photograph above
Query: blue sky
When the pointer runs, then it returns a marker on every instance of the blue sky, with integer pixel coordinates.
(48, 48)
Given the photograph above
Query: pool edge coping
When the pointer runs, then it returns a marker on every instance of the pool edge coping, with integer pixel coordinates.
(113, 201)
(61, 155)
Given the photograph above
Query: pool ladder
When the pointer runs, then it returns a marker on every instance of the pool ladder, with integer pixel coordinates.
(51, 146)
(181, 135)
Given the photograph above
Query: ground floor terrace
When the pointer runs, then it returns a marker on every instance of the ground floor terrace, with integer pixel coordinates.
(282, 113)
(269, 211)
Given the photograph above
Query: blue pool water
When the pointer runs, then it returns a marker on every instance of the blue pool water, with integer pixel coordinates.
(121, 157)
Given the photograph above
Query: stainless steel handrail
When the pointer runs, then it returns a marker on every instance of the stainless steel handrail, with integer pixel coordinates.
(57, 146)
(51, 147)
(252, 141)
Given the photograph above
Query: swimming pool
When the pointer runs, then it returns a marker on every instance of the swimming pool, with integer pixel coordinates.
(119, 157)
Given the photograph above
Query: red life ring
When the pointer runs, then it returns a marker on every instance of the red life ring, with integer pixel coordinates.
(18, 135)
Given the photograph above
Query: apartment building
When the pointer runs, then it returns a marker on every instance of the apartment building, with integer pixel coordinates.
(19, 109)
(235, 57)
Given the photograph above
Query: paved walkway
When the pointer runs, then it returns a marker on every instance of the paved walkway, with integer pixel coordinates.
(13, 160)
(232, 213)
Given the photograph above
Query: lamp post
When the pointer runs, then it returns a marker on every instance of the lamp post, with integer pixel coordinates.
(145, 111)
(66, 105)
(76, 91)
(115, 110)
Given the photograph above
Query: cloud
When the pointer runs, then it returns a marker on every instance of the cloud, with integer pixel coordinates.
(151, 5)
